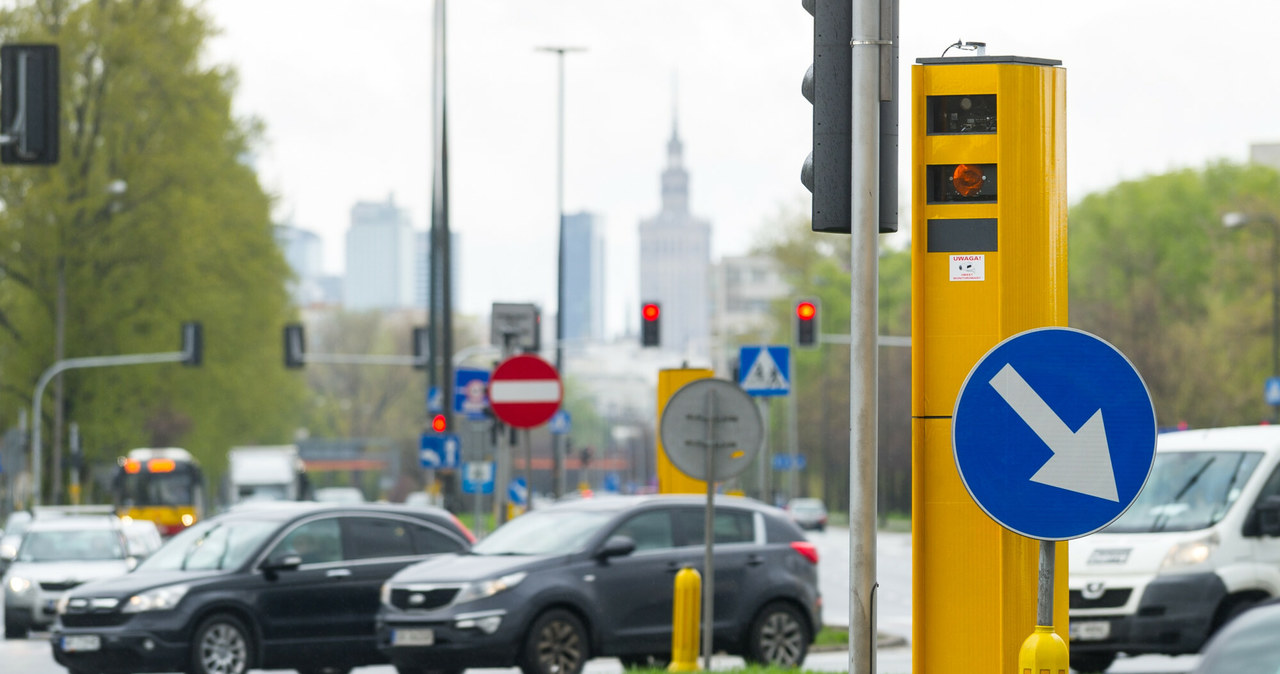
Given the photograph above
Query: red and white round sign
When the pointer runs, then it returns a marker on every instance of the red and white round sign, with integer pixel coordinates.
(525, 391)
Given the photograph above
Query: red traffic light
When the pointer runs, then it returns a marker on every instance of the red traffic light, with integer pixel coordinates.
(805, 311)
(438, 423)
(650, 312)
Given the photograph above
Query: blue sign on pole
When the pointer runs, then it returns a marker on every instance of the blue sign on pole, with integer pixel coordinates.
(1272, 391)
(765, 370)
(435, 401)
(471, 392)
(1054, 433)
(477, 477)
(518, 491)
(560, 422)
(439, 450)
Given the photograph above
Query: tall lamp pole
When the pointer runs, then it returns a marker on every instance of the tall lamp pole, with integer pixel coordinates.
(1237, 220)
(559, 52)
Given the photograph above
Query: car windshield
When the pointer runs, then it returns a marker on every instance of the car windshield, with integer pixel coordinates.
(544, 533)
(68, 545)
(1187, 491)
(211, 545)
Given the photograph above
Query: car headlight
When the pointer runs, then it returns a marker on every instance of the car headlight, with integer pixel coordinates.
(159, 599)
(19, 585)
(488, 588)
(1190, 553)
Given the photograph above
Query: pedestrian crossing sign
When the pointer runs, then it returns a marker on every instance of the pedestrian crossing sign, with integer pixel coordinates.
(765, 370)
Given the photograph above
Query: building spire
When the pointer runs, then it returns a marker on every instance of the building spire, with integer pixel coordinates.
(675, 179)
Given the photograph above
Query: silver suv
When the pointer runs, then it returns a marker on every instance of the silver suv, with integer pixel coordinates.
(61, 551)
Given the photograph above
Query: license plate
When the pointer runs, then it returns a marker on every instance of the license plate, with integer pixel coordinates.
(1090, 630)
(413, 637)
(81, 642)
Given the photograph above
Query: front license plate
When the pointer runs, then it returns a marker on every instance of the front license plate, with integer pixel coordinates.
(81, 642)
(413, 637)
(1090, 630)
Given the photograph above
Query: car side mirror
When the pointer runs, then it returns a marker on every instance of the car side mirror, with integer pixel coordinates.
(616, 546)
(282, 562)
(1266, 515)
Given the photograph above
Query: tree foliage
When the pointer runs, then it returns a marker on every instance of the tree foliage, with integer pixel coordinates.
(153, 216)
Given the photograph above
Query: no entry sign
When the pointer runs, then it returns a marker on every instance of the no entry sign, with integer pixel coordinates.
(525, 391)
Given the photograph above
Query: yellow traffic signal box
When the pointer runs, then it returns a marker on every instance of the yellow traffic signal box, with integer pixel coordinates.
(989, 260)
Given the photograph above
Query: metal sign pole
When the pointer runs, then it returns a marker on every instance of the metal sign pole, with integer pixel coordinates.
(708, 588)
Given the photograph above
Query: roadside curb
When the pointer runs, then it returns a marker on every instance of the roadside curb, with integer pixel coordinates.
(883, 640)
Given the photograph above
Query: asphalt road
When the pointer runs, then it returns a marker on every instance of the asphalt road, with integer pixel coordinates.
(893, 568)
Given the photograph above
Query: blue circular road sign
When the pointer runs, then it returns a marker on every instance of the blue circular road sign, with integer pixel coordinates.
(1054, 433)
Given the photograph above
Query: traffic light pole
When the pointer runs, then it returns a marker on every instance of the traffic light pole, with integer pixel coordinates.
(61, 366)
(867, 44)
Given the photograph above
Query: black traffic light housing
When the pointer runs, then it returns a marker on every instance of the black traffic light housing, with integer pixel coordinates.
(651, 324)
(295, 346)
(421, 348)
(828, 85)
(192, 343)
(30, 112)
(807, 325)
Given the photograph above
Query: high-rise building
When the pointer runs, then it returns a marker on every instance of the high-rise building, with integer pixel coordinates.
(303, 251)
(380, 252)
(675, 262)
(422, 267)
(583, 278)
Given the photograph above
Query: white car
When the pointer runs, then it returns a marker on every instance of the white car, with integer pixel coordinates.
(60, 553)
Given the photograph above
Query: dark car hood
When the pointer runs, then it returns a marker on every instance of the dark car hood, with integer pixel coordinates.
(469, 567)
(133, 583)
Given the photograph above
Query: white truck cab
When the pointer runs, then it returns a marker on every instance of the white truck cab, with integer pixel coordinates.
(1200, 544)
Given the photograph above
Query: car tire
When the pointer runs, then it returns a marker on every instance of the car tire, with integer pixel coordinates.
(778, 636)
(222, 645)
(15, 630)
(555, 644)
(1092, 663)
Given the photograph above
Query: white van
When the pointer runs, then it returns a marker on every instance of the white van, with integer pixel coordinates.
(1200, 544)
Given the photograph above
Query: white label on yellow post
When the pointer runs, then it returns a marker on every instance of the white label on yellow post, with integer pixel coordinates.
(968, 267)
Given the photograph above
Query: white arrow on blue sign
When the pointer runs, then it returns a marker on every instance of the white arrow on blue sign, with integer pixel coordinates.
(518, 491)
(438, 450)
(1054, 433)
(765, 370)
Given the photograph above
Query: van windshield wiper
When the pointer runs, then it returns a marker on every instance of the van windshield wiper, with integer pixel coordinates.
(1163, 517)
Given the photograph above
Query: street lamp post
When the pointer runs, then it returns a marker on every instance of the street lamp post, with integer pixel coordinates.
(559, 52)
(1237, 220)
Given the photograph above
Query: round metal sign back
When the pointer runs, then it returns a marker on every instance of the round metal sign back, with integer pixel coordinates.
(711, 415)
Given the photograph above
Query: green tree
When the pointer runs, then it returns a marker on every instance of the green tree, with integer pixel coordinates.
(153, 216)
(1188, 301)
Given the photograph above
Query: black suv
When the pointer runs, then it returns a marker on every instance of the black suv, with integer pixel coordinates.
(595, 578)
(290, 585)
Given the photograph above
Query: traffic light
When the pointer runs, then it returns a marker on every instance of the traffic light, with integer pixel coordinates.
(295, 346)
(439, 424)
(807, 323)
(421, 348)
(30, 112)
(192, 343)
(650, 324)
(828, 85)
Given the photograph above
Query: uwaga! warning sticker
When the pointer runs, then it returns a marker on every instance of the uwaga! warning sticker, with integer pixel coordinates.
(968, 267)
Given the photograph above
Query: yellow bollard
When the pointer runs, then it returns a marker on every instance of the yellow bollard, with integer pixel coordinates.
(685, 620)
(1044, 652)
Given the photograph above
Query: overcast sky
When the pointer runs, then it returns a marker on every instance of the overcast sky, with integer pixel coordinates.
(343, 87)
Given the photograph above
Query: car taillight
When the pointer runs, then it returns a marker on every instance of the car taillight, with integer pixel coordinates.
(807, 550)
(470, 536)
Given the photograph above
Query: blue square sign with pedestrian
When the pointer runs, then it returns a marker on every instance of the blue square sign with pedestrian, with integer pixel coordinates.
(1054, 433)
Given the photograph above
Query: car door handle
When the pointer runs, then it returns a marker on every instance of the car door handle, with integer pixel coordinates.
(337, 573)
(674, 567)
(755, 560)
